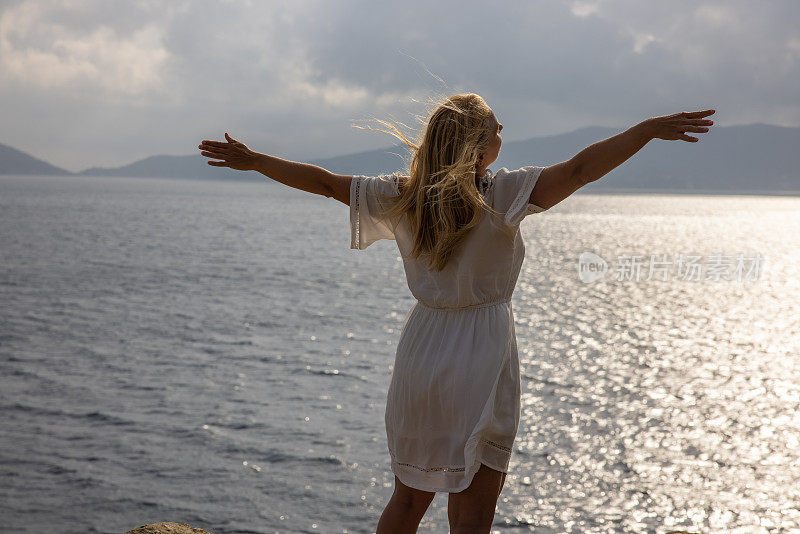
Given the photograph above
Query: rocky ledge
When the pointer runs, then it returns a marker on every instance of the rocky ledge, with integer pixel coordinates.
(167, 528)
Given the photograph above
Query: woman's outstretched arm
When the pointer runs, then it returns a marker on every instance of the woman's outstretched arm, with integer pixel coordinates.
(303, 176)
(559, 181)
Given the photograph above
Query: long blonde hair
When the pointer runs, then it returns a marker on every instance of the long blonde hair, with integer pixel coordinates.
(440, 200)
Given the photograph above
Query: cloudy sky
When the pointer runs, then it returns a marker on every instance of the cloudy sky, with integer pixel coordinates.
(99, 82)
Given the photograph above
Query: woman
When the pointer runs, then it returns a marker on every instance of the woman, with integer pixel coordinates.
(453, 406)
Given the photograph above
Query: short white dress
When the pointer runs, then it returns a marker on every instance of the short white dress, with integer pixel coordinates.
(454, 397)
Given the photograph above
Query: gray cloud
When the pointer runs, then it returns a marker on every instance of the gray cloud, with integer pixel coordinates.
(105, 83)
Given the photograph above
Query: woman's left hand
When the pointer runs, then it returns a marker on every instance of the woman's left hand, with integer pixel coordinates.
(234, 154)
(674, 127)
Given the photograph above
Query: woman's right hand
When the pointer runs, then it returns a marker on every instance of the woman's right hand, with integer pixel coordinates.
(234, 154)
(674, 127)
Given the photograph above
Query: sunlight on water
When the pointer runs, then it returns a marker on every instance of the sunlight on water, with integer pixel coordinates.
(652, 404)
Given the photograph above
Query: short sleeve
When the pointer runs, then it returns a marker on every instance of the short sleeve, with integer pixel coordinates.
(367, 223)
(513, 192)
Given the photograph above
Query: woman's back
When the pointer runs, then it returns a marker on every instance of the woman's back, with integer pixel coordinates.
(485, 267)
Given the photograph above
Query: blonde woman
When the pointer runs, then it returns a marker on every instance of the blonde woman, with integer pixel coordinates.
(453, 407)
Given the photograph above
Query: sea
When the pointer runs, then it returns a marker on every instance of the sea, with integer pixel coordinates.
(214, 353)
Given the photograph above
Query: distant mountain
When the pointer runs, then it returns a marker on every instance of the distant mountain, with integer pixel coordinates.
(13, 161)
(756, 158)
(752, 158)
(196, 166)
(193, 166)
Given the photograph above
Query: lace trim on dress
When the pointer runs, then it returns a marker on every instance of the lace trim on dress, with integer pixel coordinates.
(501, 447)
(355, 203)
(521, 205)
(453, 469)
(429, 469)
(354, 192)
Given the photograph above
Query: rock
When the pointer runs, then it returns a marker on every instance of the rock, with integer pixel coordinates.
(167, 528)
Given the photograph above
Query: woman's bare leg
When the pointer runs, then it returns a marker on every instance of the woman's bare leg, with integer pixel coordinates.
(404, 510)
(472, 511)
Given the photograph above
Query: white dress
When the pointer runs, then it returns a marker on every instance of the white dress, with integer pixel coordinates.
(454, 397)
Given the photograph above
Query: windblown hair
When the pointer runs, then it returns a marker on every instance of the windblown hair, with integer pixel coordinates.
(440, 199)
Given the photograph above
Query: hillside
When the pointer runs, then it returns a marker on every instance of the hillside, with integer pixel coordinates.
(752, 158)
